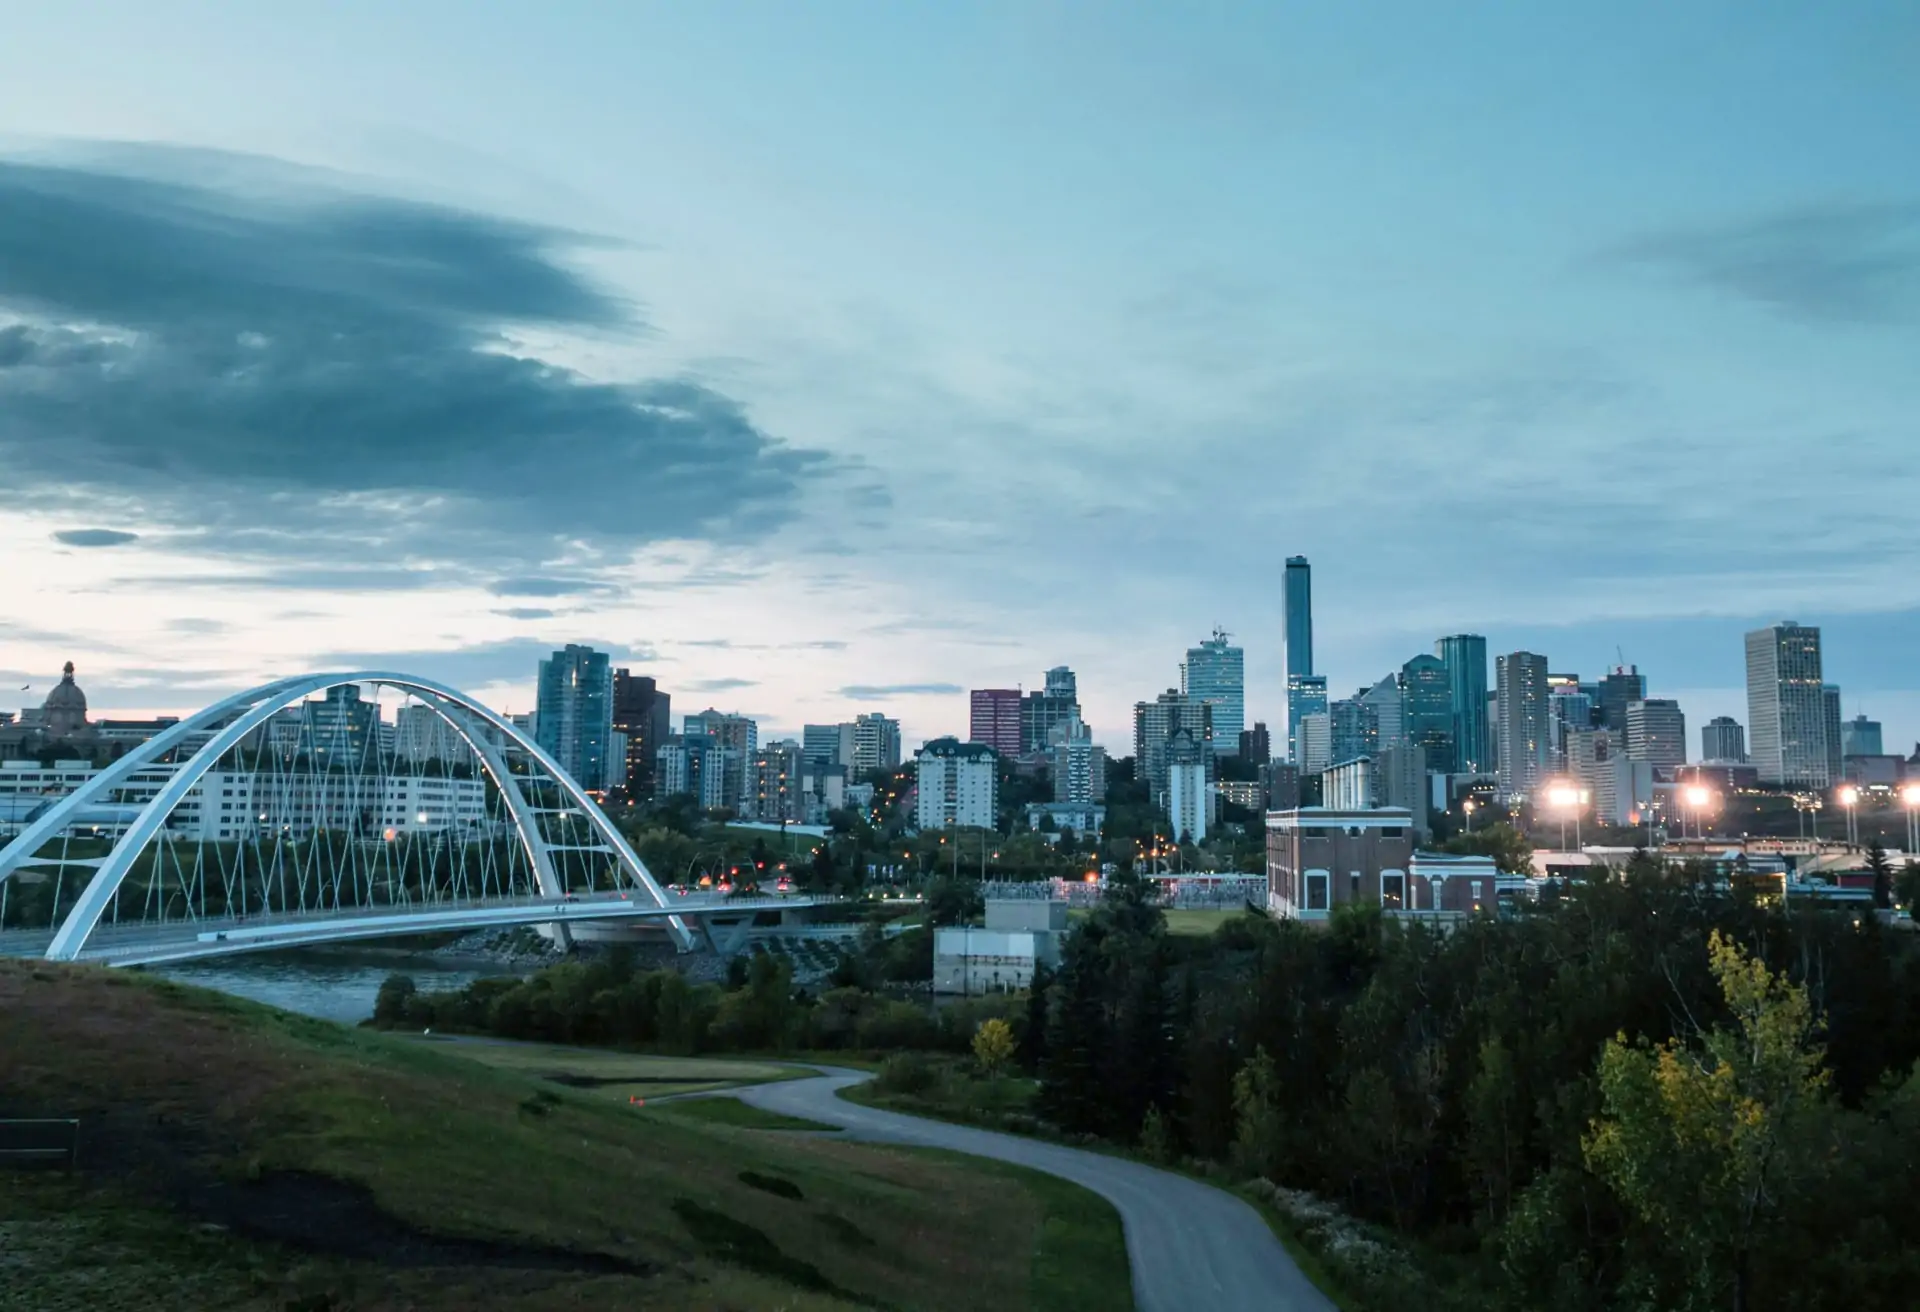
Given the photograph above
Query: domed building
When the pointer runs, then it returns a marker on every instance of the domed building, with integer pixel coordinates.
(64, 717)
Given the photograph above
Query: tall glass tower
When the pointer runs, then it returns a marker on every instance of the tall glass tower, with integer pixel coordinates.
(1299, 600)
(1215, 673)
(575, 719)
(1465, 656)
(1787, 711)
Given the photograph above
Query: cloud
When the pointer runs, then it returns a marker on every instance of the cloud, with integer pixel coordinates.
(191, 624)
(878, 692)
(95, 537)
(304, 578)
(721, 685)
(512, 660)
(527, 613)
(342, 375)
(546, 587)
(1829, 264)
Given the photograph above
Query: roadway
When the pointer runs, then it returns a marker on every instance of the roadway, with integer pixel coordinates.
(1191, 1246)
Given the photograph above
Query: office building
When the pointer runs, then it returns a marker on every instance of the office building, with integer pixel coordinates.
(1256, 745)
(1619, 789)
(1622, 686)
(876, 743)
(1386, 708)
(1723, 741)
(1154, 725)
(1786, 707)
(994, 718)
(1832, 729)
(574, 716)
(1569, 706)
(1426, 713)
(1189, 798)
(1316, 743)
(1299, 645)
(1306, 695)
(1042, 713)
(1860, 737)
(1465, 657)
(1354, 732)
(1657, 733)
(1215, 673)
(1282, 781)
(643, 715)
(828, 744)
(955, 785)
(1525, 747)
(736, 733)
(422, 736)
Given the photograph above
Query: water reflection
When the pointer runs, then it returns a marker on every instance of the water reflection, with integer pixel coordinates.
(332, 985)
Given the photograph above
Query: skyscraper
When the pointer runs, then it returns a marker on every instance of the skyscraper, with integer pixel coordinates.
(1860, 737)
(1256, 744)
(994, 719)
(1306, 695)
(1299, 637)
(1215, 673)
(1722, 739)
(1525, 747)
(1426, 715)
(1830, 723)
(827, 744)
(1786, 706)
(643, 714)
(1622, 686)
(1154, 725)
(1354, 730)
(876, 742)
(574, 722)
(1656, 732)
(1465, 658)
(1386, 704)
(1189, 796)
(1043, 712)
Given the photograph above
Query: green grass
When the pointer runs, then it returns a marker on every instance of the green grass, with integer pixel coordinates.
(1199, 924)
(610, 1074)
(188, 1094)
(731, 1111)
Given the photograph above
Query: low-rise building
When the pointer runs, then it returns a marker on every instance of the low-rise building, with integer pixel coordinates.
(1081, 817)
(1321, 857)
(1020, 933)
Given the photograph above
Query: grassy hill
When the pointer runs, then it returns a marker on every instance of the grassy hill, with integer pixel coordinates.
(233, 1156)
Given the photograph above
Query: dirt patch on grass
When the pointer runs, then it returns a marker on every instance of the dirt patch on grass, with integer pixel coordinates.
(338, 1218)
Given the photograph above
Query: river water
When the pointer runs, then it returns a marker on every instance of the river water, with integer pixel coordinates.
(338, 985)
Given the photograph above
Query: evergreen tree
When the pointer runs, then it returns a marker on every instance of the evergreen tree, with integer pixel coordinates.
(1882, 871)
(1033, 1036)
(1071, 1093)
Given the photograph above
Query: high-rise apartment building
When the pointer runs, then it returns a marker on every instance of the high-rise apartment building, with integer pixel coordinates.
(1786, 706)
(574, 720)
(1189, 797)
(737, 733)
(1299, 639)
(1316, 742)
(775, 791)
(1427, 710)
(1355, 732)
(1622, 686)
(1079, 767)
(1860, 737)
(955, 785)
(1041, 713)
(1154, 725)
(1525, 743)
(1215, 673)
(876, 743)
(1656, 733)
(1465, 657)
(644, 716)
(1569, 707)
(1723, 739)
(827, 744)
(421, 735)
(994, 719)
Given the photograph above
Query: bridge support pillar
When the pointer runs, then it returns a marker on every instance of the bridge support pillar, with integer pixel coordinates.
(726, 935)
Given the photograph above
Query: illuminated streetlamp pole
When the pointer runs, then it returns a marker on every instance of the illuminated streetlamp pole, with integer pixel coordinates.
(1849, 797)
(1911, 796)
(1467, 806)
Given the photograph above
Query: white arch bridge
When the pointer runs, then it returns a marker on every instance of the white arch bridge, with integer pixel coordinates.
(298, 813)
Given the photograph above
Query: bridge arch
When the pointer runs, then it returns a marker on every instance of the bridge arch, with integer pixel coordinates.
(232, 720)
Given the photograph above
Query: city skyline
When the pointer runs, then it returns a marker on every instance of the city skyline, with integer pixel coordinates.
(975, 296)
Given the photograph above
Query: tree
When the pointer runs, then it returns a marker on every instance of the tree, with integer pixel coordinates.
(1882, 871)
(1258, 1129)
(1510, 849)
(993, 1045)
(390, 1004)
(1700, 1142)
(1908, 888)
(953, 901)
(1033, 1035)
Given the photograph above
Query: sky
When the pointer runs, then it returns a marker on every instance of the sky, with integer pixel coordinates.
(820, 359)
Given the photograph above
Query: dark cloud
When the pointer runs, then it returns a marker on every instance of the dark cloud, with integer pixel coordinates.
(295, 359)
(95, 537)
(721, 685)
(546, 587)
(878, 692)
(1833, 264)
(527, 613)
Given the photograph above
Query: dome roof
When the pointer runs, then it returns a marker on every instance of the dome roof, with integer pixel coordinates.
(66, 695)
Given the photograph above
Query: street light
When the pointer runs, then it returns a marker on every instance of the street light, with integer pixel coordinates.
(1564, 797)
(1698, 798)
(1849, 797)
(1467, 806)
(1911, 796)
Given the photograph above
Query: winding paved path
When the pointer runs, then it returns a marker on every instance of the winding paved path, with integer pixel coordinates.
(1193, 1248)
